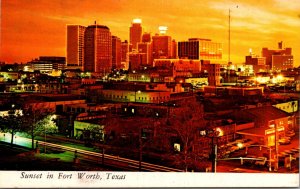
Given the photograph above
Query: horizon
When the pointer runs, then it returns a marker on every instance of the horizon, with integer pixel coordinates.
(254, 24)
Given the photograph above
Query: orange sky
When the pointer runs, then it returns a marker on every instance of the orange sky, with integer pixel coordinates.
(31, 28)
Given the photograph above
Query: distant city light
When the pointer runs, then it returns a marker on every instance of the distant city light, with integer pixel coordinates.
(137, 21)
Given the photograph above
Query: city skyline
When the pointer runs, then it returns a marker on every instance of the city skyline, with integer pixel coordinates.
(35, 28)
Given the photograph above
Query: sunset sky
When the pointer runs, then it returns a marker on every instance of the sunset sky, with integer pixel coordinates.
(32, 28)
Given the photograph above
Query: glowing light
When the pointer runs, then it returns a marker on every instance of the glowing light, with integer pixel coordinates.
(162, 29)
(279, 78)
(137, 21)
(240, 145)
(221, 133)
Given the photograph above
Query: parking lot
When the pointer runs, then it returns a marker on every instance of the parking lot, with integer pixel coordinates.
(256, 158)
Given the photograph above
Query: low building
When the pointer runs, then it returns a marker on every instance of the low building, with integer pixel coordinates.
(265, 119)
(46, 64)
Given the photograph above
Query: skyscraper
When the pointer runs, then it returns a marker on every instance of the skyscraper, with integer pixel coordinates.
(98, 49)
(75, 46)
(146, 48)
(135, 34)
(116, 52)
(200, 49)
(162, 46)
(146, 37)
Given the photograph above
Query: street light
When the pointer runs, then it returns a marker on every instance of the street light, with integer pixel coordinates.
(214, 147)
(135, 94)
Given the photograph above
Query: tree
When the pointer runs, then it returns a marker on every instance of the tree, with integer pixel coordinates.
(45, 126)
(12, 122)
(185, 126)
(35, 117)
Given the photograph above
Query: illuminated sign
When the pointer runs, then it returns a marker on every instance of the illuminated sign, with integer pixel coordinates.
(270, 131)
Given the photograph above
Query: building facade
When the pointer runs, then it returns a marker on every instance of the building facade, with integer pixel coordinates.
(135, 33)
(213, 74)
(116, 52)
(46, 64)
(98, 49)
(200, 49)
(125, 54)
(162, 46)
(146, 47)
(75, 46)
(258, 63)
(278, 59)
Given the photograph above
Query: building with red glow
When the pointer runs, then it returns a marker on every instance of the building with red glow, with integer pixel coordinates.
(146, 48)
(135, 33)
(179, 67)
(136, 60)
(125, 54)
(278, 59)
(46, 64)
(162, 46)
(116, 52)
(97, 49)
(213, 74)
(75, 46)
(200, 49)
(146, 38)
(258, 63)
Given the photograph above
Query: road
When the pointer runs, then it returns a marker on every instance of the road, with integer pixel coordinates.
(115, 161)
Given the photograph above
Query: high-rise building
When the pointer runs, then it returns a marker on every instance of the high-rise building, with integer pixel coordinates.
(278, 59)
(135, 34)
(162, 46)
(146, 48)
(125, 54)
(136, 60)
(75, 46)
(97, 49)
(174, 49)
(200, 49)
(146, 38)
(116, 52)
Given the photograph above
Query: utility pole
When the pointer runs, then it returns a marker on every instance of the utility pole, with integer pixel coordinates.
(229, 36)
(140, 149)
(276, 148)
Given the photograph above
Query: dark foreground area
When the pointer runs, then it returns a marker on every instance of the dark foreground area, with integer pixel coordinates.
(20, 158)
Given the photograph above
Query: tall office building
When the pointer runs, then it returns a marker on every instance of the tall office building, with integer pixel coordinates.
(200, 49)
(174, 48)
(278, 59)
(125, 54)
(162, 46)
(116, 52)
(75, 46)
(97, 49)
(135, 34)
(146, 48)
(146, 38)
